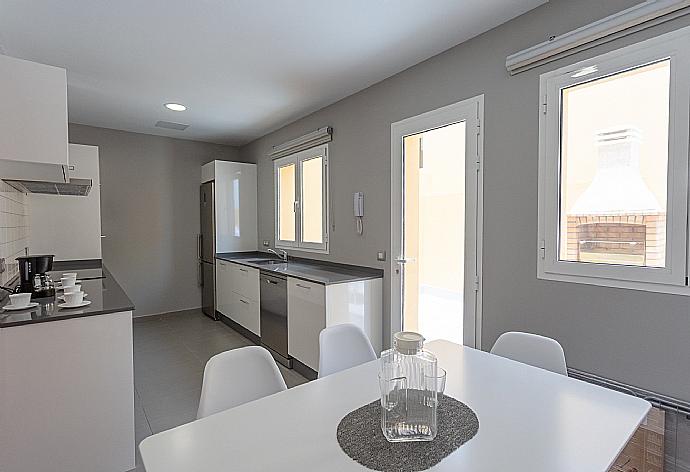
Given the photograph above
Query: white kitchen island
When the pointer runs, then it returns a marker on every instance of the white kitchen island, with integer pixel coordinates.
(67, 385)
(531, 420)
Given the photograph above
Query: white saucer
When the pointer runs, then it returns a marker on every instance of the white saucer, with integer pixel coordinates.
(58, 285)
(17, 308)
(62, 297)
(65, 305)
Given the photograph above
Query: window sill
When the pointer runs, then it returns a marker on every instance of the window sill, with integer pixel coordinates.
(615, 283)
(302, 249)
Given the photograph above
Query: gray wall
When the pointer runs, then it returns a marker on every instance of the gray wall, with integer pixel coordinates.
(150, 213)
(635, 337)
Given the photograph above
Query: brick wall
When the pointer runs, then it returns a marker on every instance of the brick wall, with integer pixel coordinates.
(631, 239)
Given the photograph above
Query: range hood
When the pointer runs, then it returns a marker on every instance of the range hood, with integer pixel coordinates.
(74, 187)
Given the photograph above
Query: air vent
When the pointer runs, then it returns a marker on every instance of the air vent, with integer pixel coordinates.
(171, 125)
(75, 187)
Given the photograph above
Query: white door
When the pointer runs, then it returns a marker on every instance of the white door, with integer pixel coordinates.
(436, 217)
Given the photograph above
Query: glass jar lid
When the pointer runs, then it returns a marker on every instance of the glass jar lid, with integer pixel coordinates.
(408, 342)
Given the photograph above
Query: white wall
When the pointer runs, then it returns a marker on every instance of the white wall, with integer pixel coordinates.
(150, 213)
(65, 225)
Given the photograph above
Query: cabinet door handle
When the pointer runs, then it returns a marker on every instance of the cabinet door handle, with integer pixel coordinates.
(303, 286)
(244, 301)
(243, 270)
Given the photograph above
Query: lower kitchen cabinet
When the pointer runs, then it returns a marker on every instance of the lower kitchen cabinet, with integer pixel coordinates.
(306, 319)
(237, 294)
(67, 390)
(245, 312)
(223, 287)
(313, 307)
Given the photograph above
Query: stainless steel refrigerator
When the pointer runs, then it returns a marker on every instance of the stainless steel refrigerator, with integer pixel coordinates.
(206, 249)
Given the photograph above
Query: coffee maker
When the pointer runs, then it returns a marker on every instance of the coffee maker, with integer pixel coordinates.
(33, 278)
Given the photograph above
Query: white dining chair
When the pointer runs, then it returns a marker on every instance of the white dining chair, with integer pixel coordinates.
(532, 349)
(238, 376)
(343, 346)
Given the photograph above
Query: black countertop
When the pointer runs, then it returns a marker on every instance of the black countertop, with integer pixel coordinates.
(103, 291)
(322, 272)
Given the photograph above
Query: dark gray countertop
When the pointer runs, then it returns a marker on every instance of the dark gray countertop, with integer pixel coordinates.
(105, 294)
(322, 272)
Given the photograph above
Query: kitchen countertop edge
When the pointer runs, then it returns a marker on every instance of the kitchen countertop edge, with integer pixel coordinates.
(346, 273)
(124, 303)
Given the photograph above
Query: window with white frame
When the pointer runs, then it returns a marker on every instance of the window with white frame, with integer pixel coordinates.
(301, 200)
(613, 168)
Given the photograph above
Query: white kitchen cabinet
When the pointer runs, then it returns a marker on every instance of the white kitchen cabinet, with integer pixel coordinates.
(67, 391)
(235, 199)
(223, 287)
(313, 307)
(306, 319)
(69, 226)
(246, 312)
(33, 122)
(237, 294)
(245, 281)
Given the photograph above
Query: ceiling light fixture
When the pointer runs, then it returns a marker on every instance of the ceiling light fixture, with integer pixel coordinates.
(175, 107)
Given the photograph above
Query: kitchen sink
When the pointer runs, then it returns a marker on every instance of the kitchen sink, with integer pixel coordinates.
(266, 261)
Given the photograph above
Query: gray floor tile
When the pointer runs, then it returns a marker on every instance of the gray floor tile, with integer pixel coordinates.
(170, 357)
(170, 352)
(204, 350)
(292, 378)
(172, 421)
(173, 402)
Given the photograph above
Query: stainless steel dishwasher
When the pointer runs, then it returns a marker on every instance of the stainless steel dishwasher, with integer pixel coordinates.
(274, 328)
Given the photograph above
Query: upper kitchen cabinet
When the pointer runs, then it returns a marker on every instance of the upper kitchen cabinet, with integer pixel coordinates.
(33, 124)
(235, 204)
(65, 220)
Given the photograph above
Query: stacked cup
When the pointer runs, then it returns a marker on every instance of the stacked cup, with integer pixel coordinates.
(71, 289)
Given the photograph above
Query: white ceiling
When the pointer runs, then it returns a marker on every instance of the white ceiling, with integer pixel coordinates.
(243, 67)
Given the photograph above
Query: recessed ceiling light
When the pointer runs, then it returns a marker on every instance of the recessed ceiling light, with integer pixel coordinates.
(175, 107)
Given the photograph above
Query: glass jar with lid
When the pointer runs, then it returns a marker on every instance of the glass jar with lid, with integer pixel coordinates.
(409, 390)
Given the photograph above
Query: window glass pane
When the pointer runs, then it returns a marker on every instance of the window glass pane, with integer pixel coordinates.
(286, 202)
(614, 159)
(312, 200)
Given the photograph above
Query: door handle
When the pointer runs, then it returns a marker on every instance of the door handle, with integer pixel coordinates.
(199, 244)
(200, 275)
(302, 286)
(271, 282)
(405, 260)
(244, 301)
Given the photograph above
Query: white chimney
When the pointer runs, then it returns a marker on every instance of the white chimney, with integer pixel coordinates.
(617, 187)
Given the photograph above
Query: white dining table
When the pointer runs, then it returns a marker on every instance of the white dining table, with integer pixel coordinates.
(530, 420)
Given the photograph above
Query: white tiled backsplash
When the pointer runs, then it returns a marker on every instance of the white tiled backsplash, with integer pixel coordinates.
(14, 229)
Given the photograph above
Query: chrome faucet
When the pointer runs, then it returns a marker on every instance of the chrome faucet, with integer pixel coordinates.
(283, 253)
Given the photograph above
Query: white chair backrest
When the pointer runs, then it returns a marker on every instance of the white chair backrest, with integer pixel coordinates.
(532, 349)
(238, 376)
(343, 346)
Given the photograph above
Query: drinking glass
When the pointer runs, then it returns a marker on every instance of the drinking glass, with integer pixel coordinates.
(436, 383)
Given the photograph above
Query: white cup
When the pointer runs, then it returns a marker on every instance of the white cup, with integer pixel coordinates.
(20, 299)
(73, 288)
(68, 281)
(74, 298)
(70, 275)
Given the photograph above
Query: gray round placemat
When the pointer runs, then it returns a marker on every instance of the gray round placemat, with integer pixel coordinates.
(360, 437)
